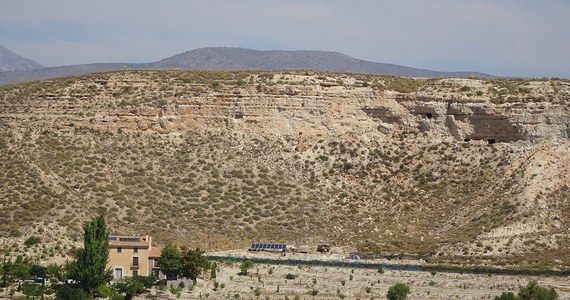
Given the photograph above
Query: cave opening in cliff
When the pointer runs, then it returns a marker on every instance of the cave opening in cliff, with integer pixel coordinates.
(238, 115)
(429, 116)
(491, 141)
(467, 140)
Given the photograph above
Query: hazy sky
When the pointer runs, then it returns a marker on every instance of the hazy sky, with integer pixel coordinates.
(502, 37)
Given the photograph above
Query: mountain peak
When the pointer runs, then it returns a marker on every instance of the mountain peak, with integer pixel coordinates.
(10, 61)
(228, 58)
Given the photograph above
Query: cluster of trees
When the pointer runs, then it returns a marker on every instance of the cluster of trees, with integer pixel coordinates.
(89, 272)
(532, 291)
(187, 263)
(22, 268)
(83, 270)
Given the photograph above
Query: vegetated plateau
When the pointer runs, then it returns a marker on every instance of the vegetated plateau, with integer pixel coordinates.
(470, 171)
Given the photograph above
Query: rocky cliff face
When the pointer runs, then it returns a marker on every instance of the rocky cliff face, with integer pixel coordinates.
(289, 104)
(474, 120)
(299, 157)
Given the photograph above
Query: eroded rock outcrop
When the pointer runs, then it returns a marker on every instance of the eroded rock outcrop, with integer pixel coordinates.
(287, 104)
(475, 121)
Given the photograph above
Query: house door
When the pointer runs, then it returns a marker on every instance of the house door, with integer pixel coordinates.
(118, 273)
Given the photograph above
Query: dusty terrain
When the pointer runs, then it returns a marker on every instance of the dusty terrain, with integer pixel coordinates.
(423, 285)
(269, 282)
(465, 170)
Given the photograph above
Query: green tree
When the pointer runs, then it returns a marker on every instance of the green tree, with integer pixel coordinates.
(506, 296)
(56, 272)
(66, 292)
(38, 271)
(213, 270)
(107, 292)
(20, 271)
(147, 281)
(245, 265)
(32, 290)
(90, 267)
(193, 263)
(170, 261)
(398, 291)
(532, 291)
(130, 286)
(5, 270)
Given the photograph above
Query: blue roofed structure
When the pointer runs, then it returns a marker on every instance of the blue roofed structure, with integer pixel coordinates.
(268, 247)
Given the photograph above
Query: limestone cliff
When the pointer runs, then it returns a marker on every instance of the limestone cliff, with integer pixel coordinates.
(287, 104)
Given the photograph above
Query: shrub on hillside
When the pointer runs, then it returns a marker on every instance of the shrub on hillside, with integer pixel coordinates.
(245, 265)
(532, 291)
(32, 241)
(398, 291)
(66, 292)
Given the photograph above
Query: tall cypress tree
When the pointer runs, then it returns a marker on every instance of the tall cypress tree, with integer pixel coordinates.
(90, 268)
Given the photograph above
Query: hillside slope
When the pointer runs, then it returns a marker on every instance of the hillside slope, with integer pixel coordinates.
(467, 170)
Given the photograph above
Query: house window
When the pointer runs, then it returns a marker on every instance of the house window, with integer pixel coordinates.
(135, 273)
(135, 261)
(118, 273)
(136, 250)
(119, 249)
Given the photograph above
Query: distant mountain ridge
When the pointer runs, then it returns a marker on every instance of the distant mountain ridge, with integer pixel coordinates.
(227, 58)
(10, 61)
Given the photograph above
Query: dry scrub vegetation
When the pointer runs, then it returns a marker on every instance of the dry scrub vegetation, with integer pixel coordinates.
(317, 282)
(75, 147)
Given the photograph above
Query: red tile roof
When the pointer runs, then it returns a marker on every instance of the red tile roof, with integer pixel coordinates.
(155, 252)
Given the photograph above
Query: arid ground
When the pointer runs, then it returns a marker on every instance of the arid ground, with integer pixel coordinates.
(269, 282)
